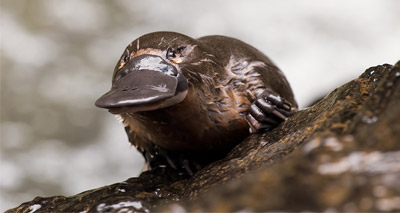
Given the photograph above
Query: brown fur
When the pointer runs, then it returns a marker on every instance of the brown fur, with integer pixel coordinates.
(225, 76)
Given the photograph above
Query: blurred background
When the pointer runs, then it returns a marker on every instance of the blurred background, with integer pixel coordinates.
(57, 58)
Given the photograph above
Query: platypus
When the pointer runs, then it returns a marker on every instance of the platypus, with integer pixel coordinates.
(186, 102)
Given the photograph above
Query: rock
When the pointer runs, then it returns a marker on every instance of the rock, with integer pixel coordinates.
(341, 154)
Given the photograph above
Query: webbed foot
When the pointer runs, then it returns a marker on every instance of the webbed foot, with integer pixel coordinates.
(267, 111)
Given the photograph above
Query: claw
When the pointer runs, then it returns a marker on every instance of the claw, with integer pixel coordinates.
(276, 100)
(267, 108)
(279, 115)
(287, 106)
(159, 158)
(167, 158)
(256, 113)
(279, 102)
(186, 166)
(256, 125)
(264, 105)
(268, 111)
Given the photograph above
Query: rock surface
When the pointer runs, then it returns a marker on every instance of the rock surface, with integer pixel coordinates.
(341, 154)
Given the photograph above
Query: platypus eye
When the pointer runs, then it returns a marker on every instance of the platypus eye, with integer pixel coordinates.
(170, 53)
(175, 54)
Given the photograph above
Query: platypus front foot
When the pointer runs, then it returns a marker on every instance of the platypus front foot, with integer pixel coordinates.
(162, 159)
(267, 111)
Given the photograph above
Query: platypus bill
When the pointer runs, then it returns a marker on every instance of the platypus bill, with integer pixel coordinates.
(187, 102)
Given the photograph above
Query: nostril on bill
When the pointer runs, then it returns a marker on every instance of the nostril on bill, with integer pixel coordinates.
(129, 88)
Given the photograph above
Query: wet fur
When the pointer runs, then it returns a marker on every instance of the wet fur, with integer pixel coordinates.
(225, 76)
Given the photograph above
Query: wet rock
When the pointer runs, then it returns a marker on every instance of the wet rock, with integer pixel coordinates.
(341, 154)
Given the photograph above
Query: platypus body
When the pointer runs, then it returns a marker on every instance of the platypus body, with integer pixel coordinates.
(186, 102)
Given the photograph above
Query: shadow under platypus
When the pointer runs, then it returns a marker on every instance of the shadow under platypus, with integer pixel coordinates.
(187, 102)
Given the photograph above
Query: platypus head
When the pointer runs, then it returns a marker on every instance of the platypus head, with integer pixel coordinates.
(149, 75)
